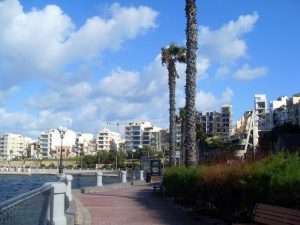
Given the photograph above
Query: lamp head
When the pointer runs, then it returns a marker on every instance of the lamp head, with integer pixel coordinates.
(62, 129)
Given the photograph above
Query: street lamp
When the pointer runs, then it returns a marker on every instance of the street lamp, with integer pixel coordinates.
(62, 131)
(132, 151)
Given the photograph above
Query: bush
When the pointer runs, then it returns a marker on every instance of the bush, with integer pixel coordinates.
(232, 191)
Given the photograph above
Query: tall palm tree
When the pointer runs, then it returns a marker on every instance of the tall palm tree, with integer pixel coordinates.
(169, 57)
(190, 88)
(182, 128)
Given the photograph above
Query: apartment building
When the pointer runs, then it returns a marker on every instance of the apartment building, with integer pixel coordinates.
(151, 137)
(285, 110)
(108, 140)
(293, 104)
(260, 106)
(226, 130)
(49, 143)
(13, 146)
(83, 143)
(278, 111)
(139, 134)
(217, 124)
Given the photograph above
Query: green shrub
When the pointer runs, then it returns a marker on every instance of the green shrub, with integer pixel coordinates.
(232, 191)
(182, 183)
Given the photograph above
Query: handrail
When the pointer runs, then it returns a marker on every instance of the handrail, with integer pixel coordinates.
(13, 201)
(29, 208)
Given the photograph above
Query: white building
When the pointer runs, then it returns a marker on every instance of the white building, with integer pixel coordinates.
(82, 144)
(108, 140)
(278, 111)
(263, 116)
(139, 134)
(13, 146)
(293, 106)
(50, 142)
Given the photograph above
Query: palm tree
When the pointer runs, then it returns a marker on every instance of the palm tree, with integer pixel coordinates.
(190, 88)
(169, 57)
(181, 120)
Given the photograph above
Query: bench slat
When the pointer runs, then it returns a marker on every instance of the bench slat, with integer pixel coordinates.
(262, 212)
(275, 215)
(264, 220)
(278, 209)
(275, 219)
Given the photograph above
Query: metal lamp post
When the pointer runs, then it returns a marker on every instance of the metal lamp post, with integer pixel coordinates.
(132, 151)
(62, 131)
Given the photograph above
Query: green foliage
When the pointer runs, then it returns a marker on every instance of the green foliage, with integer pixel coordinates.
(232, 191)
(284, 137)
(182, 182)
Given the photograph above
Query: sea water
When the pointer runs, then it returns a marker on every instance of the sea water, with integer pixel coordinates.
(14, 185)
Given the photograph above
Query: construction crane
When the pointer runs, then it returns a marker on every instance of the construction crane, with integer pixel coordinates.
(116, 124)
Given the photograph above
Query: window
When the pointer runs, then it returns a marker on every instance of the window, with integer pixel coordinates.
(136, 128)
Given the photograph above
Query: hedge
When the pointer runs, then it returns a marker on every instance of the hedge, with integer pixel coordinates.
(231, 191)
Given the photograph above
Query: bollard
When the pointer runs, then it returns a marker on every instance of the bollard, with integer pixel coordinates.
(141, 175)
(124, 178)
(69, 187)
(60, 189)
(99, 175)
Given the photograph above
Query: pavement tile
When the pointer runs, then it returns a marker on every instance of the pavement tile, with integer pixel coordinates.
(135, 205)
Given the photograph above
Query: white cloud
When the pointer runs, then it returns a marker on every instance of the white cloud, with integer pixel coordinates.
(207, 101)
(27, 124)
(225, 44)
(45, 41)
(247, 73)
(119, 83)
(60, 98)
(222, 72)
(4, 95)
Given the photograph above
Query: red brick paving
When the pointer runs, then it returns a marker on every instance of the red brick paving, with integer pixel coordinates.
(134, 205)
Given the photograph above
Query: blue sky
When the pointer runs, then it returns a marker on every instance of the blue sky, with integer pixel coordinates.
(86, 63)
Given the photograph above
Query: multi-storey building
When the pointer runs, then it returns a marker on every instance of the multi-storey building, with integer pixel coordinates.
(49, 143)
(217, 124)
(226, 123)
(151, 137)
(13, 146)
(138, 134)
(108, 140)
(278, 111)
(82, 144)
(263, 116)
(293, 109)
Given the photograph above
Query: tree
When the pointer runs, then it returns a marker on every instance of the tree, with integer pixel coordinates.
(169, 57)
(181, 119)
(51, 154)
(190, 88)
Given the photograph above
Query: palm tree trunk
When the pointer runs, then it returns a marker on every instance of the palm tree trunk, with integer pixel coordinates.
(190, 90)
(172, 111)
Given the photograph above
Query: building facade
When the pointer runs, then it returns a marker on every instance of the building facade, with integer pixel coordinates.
(139, 134)
(263, 116)
(13, 146)
(108, 140)
(293, 109)
(49, 142)
(217, 124)
(82, 144)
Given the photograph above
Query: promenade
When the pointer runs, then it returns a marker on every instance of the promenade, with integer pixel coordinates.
(134, 205)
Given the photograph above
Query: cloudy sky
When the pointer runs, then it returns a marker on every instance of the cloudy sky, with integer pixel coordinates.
(86, 63)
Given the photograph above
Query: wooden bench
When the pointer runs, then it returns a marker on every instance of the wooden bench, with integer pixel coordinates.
(275, 215)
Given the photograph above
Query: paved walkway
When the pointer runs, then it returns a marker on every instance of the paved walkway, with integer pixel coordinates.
(136, 205)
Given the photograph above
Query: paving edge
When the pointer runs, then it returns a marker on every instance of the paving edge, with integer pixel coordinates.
(83, 216)
(93, 189)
